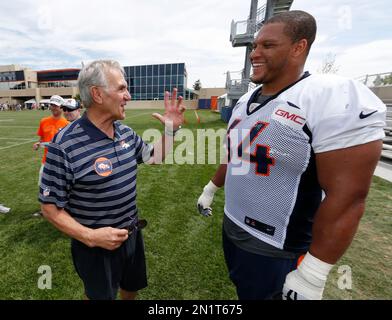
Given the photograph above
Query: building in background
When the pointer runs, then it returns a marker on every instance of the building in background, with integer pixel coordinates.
(146, 83)
(20, 84)
(60, 78)
(149, 82)
(15, 77)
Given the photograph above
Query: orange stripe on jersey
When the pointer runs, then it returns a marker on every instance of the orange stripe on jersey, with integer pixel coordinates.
(300, 260)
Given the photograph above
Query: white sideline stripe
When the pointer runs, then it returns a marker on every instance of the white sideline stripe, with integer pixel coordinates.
(4, 120)
(129, 117)
(25, 139)
(19, 144)
(18, 127)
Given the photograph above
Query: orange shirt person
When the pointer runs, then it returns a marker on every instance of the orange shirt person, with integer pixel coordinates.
(49, 126)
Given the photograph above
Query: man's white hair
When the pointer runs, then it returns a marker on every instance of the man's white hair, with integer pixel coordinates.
(94, 74)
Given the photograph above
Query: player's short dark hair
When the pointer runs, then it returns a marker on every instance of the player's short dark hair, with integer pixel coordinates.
(298, 25)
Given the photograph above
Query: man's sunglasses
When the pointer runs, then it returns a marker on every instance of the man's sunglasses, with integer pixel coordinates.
(65, 109)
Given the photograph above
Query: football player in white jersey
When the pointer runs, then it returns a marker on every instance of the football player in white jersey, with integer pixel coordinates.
(302, 150)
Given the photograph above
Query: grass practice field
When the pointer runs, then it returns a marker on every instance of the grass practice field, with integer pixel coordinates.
(183, 249)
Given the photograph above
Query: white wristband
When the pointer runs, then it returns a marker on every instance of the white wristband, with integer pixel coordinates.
(170, 132)
(307, 282)
(210, 188)
(314, 270)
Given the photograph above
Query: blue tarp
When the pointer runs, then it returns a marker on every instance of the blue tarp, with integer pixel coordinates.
(204, 104)
(226, 113)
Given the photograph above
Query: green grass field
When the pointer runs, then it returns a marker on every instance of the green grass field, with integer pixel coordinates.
(183, 249)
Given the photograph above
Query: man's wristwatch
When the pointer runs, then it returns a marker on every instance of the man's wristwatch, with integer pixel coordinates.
(170, 132)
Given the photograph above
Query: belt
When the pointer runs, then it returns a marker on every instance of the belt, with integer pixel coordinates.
(139, 225)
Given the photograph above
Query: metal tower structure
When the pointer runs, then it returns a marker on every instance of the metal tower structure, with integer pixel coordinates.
(242, 35)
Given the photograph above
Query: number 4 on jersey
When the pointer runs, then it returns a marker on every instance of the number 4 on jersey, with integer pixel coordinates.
(261, 155)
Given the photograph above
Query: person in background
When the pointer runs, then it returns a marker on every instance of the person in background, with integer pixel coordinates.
(71, 110)
(48, 127)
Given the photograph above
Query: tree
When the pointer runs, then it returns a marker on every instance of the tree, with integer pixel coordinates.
(328, 65)
(197, 85)
(378, 81)
(387, 79)
(78, 99)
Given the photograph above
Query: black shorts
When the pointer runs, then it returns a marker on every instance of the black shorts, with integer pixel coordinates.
(104, 271)
(255, 276)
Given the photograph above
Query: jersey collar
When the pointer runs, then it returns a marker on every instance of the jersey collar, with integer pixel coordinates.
(96, 134)
(254, 95)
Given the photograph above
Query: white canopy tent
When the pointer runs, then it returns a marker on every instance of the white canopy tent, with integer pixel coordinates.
(30, 103)
(44, 104)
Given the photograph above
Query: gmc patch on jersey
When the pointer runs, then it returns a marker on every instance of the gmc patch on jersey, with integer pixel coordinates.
(103, 167)
(290, 116)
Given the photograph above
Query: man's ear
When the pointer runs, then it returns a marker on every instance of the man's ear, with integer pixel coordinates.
(96, 94)
(300, 48)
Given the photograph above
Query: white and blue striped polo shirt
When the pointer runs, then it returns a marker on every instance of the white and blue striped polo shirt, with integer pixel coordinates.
(92, 176)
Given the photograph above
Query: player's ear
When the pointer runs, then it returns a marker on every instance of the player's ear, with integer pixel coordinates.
(299, 48)
(96, 94)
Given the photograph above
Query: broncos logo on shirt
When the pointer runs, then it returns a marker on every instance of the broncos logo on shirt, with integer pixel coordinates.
(103, 167)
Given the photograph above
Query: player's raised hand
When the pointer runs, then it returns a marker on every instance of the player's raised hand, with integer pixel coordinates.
(173, 116)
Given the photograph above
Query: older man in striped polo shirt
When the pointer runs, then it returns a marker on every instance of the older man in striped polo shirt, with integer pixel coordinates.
(88, 188)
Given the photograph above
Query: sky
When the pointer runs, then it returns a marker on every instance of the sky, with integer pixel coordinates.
(43, 34)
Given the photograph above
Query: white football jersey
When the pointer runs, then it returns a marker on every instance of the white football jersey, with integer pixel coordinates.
(271, 186)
